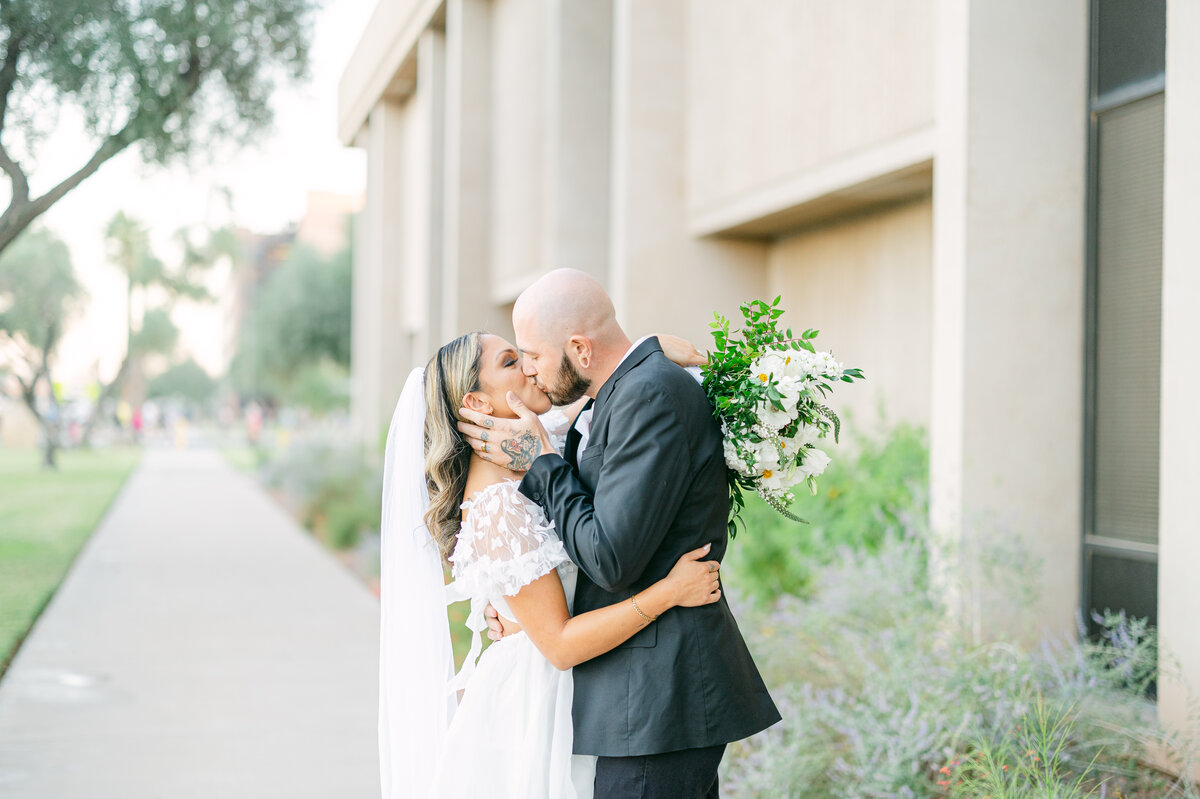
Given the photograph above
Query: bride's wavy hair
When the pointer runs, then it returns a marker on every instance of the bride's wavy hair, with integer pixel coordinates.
(451, 374)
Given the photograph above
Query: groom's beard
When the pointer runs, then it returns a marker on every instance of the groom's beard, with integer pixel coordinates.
(569, 385)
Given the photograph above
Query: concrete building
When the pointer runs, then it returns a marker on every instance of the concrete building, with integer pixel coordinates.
(988, 205)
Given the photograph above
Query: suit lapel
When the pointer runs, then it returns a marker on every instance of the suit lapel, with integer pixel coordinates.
(640, 354)
(571, 450)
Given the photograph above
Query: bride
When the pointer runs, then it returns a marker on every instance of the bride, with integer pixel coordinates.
(511, 735)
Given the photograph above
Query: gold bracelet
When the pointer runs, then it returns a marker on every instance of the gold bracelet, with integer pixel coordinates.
(633, 599)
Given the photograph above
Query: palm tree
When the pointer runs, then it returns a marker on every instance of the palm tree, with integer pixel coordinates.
(129, 250)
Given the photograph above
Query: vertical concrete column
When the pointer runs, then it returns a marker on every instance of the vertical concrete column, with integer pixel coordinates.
(380, 349)
(466, 223)
(362, 316)
(578, 121)
(654, 258)
(423, 220)
(1179, 448)
(1008, 292)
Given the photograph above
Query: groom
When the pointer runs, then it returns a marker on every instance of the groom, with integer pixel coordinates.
(642, 482)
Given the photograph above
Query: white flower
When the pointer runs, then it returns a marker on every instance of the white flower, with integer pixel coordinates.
(793, 478)
(734, 460)
(774, 479)
(814, 463)
(772, 418)
(824, 365)
(815, 365)
(794, 365)
(768, 367)
(769, 469)
(791, 388)
(766, 455)
(784, 364)
(806, 434)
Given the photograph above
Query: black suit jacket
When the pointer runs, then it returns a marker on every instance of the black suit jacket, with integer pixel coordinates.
(649, 487)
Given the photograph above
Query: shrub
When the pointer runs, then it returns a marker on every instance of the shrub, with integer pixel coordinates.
(880, 691)
(864, 498)
(336, 493)
(1027, 762)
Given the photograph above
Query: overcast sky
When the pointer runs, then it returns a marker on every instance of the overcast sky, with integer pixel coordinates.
(268, 183)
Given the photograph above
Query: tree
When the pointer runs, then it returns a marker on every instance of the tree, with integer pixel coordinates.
(298, 332)
(130, 251)
(171, 76)
(186, 381)
(38, 292)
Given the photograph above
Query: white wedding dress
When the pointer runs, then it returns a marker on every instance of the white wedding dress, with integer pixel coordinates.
(511, 736)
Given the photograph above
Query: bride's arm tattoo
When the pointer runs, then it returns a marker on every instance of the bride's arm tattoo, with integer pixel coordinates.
(523, 450)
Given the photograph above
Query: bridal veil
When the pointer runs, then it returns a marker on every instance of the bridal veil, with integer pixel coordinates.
(415, 659)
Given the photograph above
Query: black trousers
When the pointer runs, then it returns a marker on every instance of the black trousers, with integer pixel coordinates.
(686, 774)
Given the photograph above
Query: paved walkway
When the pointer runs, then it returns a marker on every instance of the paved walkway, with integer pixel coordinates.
(201, 646)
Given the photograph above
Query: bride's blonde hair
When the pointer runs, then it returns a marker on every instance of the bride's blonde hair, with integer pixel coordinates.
(451, 374)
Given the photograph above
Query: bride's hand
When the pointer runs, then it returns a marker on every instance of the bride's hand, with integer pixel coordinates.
(681, 351)
(695, 582)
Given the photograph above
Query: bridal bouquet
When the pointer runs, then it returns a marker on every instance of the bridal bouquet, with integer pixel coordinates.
(768, 389)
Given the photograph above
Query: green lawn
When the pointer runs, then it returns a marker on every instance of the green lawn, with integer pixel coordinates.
(45, 517)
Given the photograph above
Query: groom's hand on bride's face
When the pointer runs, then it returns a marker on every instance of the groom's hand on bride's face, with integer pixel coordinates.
(511, 443)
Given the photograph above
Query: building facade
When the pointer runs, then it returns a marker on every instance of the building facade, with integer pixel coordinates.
(984, 204)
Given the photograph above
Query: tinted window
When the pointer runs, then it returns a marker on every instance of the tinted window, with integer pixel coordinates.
(1132, 42)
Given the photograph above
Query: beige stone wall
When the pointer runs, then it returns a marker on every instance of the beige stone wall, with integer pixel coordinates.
(467, 301)
(518, 141)
(779, 87)
(865, 284)
(662, 277)
(1006, 432)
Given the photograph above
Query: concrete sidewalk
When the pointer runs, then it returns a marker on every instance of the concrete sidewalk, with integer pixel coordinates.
(201, 646)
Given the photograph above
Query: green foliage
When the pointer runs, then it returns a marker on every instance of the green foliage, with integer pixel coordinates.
(298, 333)
(739, 390)
(198, 257)
(321, 387)
(862, 501)
(38, 292)
(186, 381)
(1028, 761)
(248, 459)
(128, 243)
(129, 249)
(38, 289)
(45, 517)
(336, 493)
(346, 517)
(157, 335)
(172, 76)
(881, 687)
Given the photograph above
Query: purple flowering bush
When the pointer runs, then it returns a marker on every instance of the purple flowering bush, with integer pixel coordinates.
(887, 692)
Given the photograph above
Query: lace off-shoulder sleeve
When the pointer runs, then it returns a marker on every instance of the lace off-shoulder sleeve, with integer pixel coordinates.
(506, 543)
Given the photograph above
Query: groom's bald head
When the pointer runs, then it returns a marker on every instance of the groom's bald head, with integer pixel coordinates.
(564, 303)
(567, 327)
